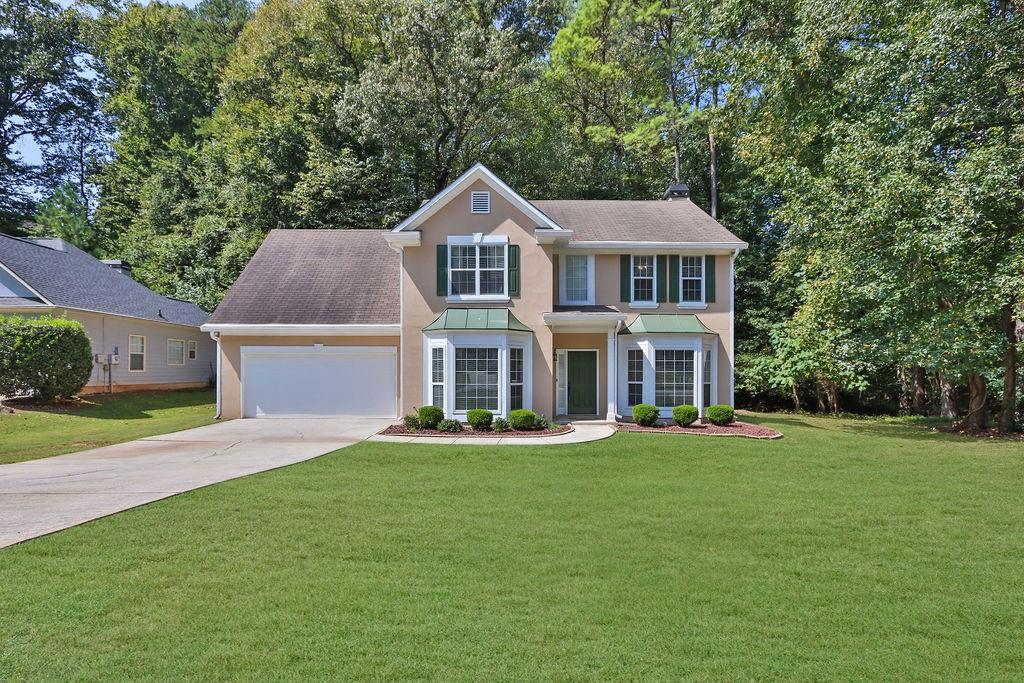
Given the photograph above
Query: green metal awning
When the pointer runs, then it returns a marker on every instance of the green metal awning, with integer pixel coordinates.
(477, 319)
(666, 323)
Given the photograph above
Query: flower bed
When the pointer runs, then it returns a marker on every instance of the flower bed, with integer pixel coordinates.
(743, 429)
(401, 430)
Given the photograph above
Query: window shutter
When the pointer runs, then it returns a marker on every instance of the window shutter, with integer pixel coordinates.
(624, 275)
(673, 278)
(709, 278)
(442, 270)
(660, 273)
(513, 270)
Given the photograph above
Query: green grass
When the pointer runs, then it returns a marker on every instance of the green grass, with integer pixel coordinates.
(847, 550)
(102, 419)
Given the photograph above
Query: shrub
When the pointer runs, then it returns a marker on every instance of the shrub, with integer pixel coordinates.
(45, 357)
(449, 426)
(411, 422)
(684, 415)
(480, 419)
(645, 414)
(720, 414)
(500, 424)
(430, 416)
(522, 419)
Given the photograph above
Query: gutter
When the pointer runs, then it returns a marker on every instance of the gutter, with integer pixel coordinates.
(286, 330)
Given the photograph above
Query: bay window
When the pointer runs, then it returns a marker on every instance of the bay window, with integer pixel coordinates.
(476, 379)
(635, 376)
(437, 376)
(673, 377)
(467, 370)
(516, 376)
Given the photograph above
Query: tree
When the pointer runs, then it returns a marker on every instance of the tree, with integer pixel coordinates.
(64, 215)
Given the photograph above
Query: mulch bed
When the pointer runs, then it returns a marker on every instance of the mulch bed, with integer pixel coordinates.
(400, 430)
(744, 429)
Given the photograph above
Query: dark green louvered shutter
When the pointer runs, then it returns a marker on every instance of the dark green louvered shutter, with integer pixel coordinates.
(709, 278)
(624, 268)
(673, 278)
(442, 270)
(660, 273)
(513, 270)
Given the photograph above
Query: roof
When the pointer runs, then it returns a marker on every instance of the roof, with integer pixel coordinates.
(667, 323)
(20, 302)
(316, 277)
(68, 277)
(623, 220)
(477, 319)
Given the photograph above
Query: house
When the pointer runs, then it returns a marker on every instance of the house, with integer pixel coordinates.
(482, 299)
(140, 339)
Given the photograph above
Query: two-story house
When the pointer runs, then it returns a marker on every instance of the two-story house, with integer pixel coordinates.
(483, 299)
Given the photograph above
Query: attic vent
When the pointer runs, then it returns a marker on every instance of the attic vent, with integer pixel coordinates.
(481, 202)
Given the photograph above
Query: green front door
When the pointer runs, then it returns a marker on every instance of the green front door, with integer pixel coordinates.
(581, 378)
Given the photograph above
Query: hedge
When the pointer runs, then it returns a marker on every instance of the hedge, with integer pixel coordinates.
(720, 414)
(645, 414)
(684, 416)
(45, 358)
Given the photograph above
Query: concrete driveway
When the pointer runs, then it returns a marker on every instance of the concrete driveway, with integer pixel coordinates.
(42, 496)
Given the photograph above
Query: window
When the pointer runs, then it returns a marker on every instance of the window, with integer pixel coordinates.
(691, 273)
(515, 378)
(437, 376)
(175, 352)
(193, 350)
(577, 279)
(643, 279)
(477, 269)
(707, 378)
(476, 379)
(673, 378)
(136, 353)
(480, 202)
(635, 376)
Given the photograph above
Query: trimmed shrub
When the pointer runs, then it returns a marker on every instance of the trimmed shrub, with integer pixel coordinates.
(645, 414)
(720, 414)
(430, 416)
(411, 422)
(449, 426)
(523, 419)
(480, 419)
(684, 416)
(500, 424)
(45, 358)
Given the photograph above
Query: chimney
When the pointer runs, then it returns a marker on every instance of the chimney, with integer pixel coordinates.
(119, 265)
(676, 191)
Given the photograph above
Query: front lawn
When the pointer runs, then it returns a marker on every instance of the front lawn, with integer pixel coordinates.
(101, 420)
(847, 550)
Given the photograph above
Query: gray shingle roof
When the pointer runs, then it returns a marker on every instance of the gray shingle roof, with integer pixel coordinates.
(71, 278)
(679, 220)
(316, 277)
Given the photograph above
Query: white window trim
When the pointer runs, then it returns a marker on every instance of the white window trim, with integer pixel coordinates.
(472, 201)
(633, 303)
(145, 347)
(562, 288)
(649, 345)
(692, 305)
(430, 383)
(192, 352)
(477, 239)
(710, 351)
(184, 352)
(562, 380)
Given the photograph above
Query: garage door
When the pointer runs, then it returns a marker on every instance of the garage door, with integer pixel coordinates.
(308, 381)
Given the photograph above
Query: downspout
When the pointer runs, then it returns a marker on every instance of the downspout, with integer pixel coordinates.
(732, 328)
(216, 337)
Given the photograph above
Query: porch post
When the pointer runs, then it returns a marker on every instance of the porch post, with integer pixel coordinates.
(612, 378)
(698, 379)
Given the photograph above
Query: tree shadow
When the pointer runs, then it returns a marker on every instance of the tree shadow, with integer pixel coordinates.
(910, 429)
(128, 405)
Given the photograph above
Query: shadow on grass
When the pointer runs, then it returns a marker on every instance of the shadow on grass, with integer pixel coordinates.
(128, 405)
(912, 429)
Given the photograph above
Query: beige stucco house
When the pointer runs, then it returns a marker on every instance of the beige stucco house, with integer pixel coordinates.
(481, 298)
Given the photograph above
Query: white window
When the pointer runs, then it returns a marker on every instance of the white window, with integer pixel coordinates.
(516, 375)
(437, 376)
(635, 376)
(706, 378)
(193, 349)
(136, 353)
(175, 352)
(577, 280)
(477, 270)
(691, 283)
(673, 378)
(643, 279)
(480, 202)
(476, 379)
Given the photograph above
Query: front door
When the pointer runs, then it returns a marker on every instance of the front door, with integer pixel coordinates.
(581, 379)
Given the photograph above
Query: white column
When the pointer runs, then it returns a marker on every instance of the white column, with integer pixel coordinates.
(698, 380)
(612, 379)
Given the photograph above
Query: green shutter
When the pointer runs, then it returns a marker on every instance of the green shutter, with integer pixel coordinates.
(709, 278)
(513, 270)
(624, 268)
(673, 278)
(442, 270)
(661, 275)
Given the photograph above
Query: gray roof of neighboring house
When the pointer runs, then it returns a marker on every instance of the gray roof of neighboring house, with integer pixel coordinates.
(316, 277)
(617, 220)
(70, 278)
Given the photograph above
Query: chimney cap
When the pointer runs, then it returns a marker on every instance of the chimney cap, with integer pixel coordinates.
(676, 191)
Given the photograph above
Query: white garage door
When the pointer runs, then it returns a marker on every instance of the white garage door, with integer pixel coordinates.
(303, 381)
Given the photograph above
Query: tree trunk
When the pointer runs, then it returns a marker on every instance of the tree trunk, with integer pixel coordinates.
(947, 398)
(977, 417)
(1009, 407)
(920, 395)
(904, 400)
(713, 152)
(796, 398)
(832, 395)
(820, 396)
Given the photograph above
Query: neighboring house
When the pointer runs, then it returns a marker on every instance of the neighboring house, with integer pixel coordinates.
(484, 299)
(155, 339)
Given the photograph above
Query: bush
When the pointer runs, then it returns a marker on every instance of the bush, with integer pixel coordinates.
(522, 419)
(46, 357)
(411, 422)
(645, 414)
(430, 416)
(720, 414)
(684, 415)
(500, 424)
(449, 426)
(480, 419)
